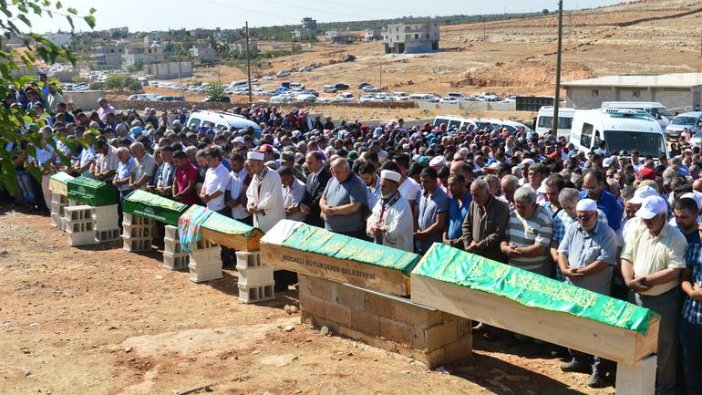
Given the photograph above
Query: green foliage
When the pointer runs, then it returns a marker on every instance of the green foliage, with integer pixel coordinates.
(136, 67)
(215, 91)
(15, 22)
(120, 82)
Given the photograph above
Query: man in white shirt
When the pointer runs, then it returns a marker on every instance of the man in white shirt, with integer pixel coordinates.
(264, 195)
(216, 182)
(293, 194)
(236, 199)
(390, 223)
(106, 163)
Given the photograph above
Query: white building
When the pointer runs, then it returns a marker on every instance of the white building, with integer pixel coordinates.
(679, 91)
(411, 37)
(59, 38)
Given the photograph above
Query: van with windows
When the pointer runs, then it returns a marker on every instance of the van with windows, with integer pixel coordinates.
(452, 122)
(329, 89)
(544, 121)
(216, 119)
(687, 120)
(296, 86)
(662, 114)
(622, 130)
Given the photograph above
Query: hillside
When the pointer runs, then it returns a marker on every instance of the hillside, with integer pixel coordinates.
(515, 56)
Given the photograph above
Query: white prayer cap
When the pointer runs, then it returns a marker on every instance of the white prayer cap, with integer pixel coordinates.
(586, 205)
(542, 187)
(255, 155)
(696, 196)
(642, 193)
(437, 161)
(652, 206)
(391, 175)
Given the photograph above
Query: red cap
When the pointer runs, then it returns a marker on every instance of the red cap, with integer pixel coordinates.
(266, 148)
(647, 174)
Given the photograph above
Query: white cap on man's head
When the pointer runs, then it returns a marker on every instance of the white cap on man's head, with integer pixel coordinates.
(390, 175)
(696, 196)
(642, 193)
(437, 161)
(652, 206)
(586, 205)
(255, 155)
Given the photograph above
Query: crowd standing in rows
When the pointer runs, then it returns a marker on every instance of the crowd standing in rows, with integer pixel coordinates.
(619, 225)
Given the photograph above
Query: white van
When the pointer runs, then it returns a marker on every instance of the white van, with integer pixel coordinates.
(544, 121)
(400, 96)
(622, 130)
(344, 97)
(657, 110)
(217, 119)
(453, 123)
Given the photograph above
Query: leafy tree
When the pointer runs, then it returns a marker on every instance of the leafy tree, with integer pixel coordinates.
(15, 22)
(544, 11)
(215, 91)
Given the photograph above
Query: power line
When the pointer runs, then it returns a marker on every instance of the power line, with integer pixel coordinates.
(356, 6)
(313, 9)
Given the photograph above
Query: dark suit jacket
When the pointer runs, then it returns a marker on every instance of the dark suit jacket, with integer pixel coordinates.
(313, 193)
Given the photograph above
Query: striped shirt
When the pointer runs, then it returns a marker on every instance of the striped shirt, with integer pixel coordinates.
(692, 309)
(526, 232)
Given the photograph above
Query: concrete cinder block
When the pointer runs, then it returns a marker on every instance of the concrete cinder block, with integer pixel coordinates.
(59, 199)
(322, 288)
(246, 260)
(201, 273)
(256, 276)
(396, 331)
(136, 245)
(81, 239)
(365, 323)
(106, 236)
(255, 294)
(206, 256)
(172, 246)
(78, 213)
(338, 313)
(376, 304)
(56, 221)
(351, 296)
(137, 231)
(203, 245)
(171, 232)
(442, 334)
(105, 211)
(176, 261)
(81, 226)
(417, 315)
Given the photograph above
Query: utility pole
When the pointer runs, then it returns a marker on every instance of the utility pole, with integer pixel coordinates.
(381, 76)
(292, 50)
(557, 99)
(248, 62)
(484, 30)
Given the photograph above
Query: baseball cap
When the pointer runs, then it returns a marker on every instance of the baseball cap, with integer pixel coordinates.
(652, 206)
(696, 196)
(641, 193)
(647, 174)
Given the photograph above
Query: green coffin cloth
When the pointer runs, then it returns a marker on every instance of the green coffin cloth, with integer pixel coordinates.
(91, 192)
(62, 177)
(471, 271)
(158, 208)
(219, 223)
(321, 241)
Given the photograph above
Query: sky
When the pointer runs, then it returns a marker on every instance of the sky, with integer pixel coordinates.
(148, 15)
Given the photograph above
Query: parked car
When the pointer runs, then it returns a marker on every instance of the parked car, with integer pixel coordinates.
(370, 88)
(362, 84)
(366, 97)
(222, 99)
(222, 119)
(305, 98)
(305, 69)
(340, 86)
(282, 74)
(329, 88)
(400, 96)
(696, 139)
(345, 97)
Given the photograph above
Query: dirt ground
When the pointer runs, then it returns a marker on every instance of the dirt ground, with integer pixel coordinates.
(100, 320)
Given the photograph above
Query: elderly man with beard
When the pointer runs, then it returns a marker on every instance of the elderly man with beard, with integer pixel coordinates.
(390, 222)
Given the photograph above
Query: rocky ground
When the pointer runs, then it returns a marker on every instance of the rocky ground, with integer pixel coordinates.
(100, 320)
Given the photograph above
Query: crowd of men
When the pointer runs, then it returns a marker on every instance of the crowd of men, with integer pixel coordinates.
(625, 226)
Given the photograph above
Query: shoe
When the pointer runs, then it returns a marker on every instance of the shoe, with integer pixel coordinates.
(575, 365)
(595, 381)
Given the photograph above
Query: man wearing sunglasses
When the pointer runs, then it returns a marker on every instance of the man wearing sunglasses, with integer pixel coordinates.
(586, 257)
(651, 263)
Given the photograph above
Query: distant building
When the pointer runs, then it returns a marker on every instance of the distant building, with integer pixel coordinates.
(411, 37)
(339, 36)
(371, 34)
(202, 53)
(200, 33)
(138, 54)
(108, 56)
(240, 46)
(309, 24)
(59, 38)
(170, 70)
(678, 91)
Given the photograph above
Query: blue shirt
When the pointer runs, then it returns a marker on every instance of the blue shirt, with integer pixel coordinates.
(428, 207)
(611, 207)
(456, 216)
(124, 170)
(692, 309)
(583, 248)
